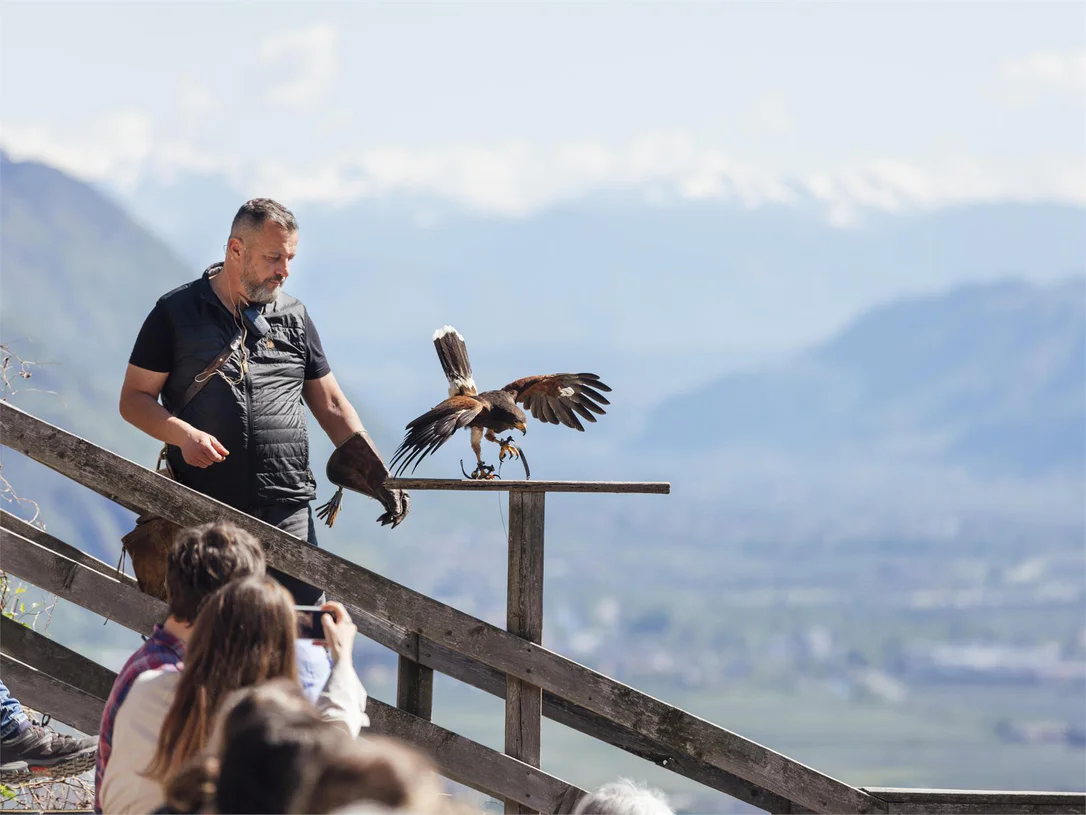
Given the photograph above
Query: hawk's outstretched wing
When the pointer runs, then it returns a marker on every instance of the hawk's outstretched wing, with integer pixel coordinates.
(556, 398)
(433, 428)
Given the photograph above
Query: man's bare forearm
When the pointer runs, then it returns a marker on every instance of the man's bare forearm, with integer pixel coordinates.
(338, 420)
(145, 412)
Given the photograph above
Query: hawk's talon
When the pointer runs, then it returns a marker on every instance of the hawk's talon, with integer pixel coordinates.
(508, 449)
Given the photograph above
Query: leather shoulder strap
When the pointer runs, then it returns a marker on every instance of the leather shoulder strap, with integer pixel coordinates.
(206, 374)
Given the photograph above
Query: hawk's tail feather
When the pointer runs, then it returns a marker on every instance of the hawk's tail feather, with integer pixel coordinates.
(453, 354)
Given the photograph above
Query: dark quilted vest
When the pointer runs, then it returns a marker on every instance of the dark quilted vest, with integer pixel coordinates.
(261, 420)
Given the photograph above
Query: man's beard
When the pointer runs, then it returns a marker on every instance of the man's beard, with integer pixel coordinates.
(258, 291)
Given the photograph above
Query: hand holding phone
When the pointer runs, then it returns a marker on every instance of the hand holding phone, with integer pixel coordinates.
(309, 622)
(339, 631)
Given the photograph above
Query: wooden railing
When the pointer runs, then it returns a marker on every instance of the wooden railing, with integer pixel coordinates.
(427, 635)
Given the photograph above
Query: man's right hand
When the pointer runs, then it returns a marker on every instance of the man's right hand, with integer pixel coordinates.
(339, 631)
(200, 449)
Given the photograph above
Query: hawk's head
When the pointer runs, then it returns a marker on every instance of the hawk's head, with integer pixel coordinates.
(506, 411)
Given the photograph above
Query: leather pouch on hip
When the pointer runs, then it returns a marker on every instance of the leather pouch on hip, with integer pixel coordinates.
(148, 545)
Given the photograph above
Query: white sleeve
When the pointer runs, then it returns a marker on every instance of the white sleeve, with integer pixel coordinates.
(343, 699)
(135, 736)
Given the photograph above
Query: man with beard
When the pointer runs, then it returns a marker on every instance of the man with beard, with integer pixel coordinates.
(233, 357)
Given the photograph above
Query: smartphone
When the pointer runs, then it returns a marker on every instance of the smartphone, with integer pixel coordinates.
(309, 622)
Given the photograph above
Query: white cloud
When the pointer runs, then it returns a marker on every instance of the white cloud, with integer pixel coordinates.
(769, 116)
(311, 58)
(121, 147)
(114, 145)
(518, 179)
(1046, 72)
(195, 100)
(888, 185)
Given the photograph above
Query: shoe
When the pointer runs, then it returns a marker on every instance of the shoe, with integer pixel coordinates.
(39, 752)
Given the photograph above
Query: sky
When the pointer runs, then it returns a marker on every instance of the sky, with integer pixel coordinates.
(507, 108)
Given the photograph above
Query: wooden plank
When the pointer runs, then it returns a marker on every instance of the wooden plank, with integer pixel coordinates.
(40, 536)
(384, 632)
(517, 485)
(475, 765)
(113, 476)
(524, 618)
(978, 802)
(415, 686)
(901, 794)
(50, 657)
(82, 585)
(956, 808)
(65, 703)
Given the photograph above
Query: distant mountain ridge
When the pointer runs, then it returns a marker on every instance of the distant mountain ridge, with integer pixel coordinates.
(989, 376)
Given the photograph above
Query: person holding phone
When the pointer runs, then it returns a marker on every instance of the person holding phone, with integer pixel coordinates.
(234, 361)
(243, 636)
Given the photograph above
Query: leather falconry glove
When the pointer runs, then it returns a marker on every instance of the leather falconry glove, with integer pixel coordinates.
(356, 465)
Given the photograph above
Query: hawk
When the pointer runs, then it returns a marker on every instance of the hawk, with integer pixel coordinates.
(554, 398)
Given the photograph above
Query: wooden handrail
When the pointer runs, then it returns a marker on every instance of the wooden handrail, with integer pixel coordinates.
(55, 660)
(37, 690)
(980, 802)
(517, 485)
(135, 486)
(39, 535)
(79, 583)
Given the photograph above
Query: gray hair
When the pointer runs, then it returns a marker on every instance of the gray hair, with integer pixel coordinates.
(255, 213)
(624, 797)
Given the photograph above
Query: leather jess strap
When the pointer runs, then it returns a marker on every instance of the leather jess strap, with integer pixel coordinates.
(205, 375)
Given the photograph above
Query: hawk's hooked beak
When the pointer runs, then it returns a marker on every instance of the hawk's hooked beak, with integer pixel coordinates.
(522, 427)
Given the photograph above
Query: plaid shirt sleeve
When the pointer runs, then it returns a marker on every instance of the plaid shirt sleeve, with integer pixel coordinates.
(161, 650)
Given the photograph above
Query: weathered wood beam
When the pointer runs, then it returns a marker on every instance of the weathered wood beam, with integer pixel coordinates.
(55, 660)
(524, 618)
(40, 536)
(81, 584)
(114, 477)
(63, 702)
(475, 765)
(414, 685)
(512, 485)
(980, 802)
